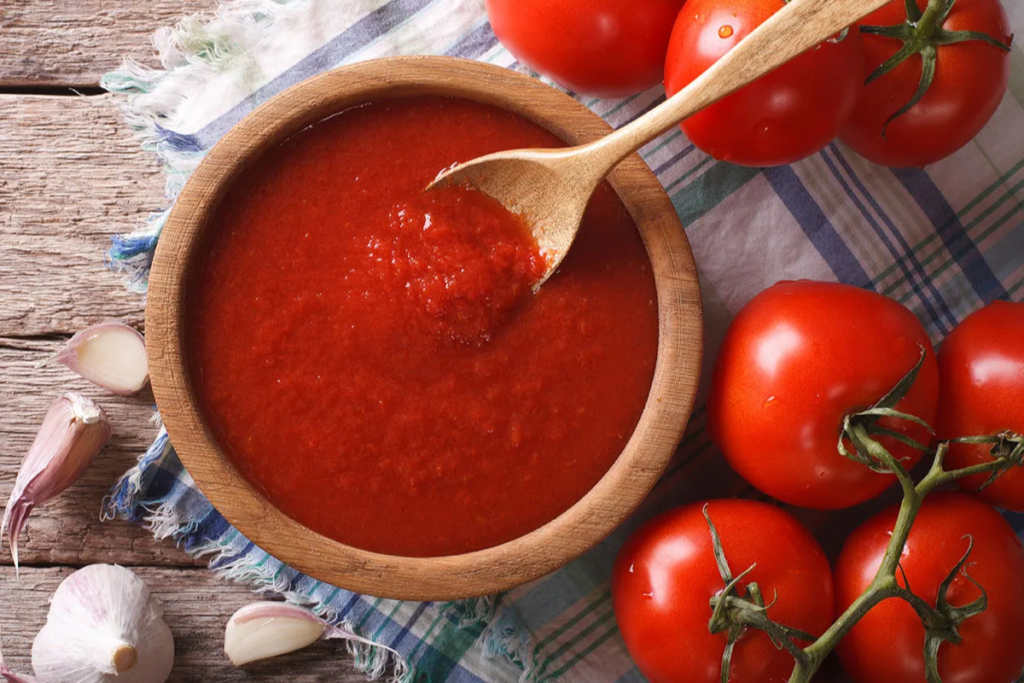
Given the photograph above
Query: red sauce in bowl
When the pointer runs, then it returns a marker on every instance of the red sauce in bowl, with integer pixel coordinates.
(371, 357)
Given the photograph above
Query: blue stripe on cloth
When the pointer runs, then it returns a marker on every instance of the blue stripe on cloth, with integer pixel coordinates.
(816, 225)
(1005, 256)
(177, 141)
(356, 37)
(903, 253)
(951, 231)
(674, 159)
(473, 44)
(407, 628)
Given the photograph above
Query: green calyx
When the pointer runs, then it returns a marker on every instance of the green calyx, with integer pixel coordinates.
(736, 609)
(861, 429)
(1007, 447)
(922, 34)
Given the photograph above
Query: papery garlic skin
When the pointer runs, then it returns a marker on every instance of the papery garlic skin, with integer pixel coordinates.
(74, 430)
(103, 626)
(111, 355)
(268, 629)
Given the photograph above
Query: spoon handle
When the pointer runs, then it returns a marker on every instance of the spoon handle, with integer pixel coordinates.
(794, 29)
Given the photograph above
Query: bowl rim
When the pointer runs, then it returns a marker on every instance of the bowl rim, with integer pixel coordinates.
(481, 572)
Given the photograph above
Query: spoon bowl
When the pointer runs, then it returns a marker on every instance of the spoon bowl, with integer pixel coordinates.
(550, 188)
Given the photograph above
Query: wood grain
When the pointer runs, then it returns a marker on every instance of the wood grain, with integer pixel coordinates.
(71, 175)
(196, 607)
(487, 571)
(72, 43)
(68, 530)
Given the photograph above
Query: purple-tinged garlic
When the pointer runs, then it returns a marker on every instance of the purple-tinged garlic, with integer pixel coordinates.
(268, 629)
(104, 626)
(110, 355)
(74, 430)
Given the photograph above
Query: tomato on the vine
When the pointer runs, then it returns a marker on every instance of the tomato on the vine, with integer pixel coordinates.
(665, 575)
(782, 117)
(970, 78)
(887, 645)
(607, 48)
(798, 359)
(981, 367)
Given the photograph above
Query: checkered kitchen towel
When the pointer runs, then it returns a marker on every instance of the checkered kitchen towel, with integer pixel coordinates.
(943, 241)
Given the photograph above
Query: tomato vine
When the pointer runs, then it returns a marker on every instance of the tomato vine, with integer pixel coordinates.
(738, 608)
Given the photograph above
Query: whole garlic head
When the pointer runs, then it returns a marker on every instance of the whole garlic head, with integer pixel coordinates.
(103, 626)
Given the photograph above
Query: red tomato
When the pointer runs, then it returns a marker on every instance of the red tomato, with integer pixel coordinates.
(970, 79)
(606, 48)
(887, 645)
(796, 360)
(981, 366)
(665, 575)
(785, 116)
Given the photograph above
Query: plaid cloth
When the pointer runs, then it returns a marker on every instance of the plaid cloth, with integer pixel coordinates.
(943, 241)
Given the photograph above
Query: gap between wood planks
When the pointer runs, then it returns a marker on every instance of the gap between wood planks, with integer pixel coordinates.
(52, 91)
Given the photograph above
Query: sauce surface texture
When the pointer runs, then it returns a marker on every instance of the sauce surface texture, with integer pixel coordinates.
(371, 357)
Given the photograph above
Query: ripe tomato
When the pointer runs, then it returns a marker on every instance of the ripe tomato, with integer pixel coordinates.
(887, 645)
(970, 79)
(785, 116)
(796, 360)
(606, 48)
(981, 366)
(665, 575)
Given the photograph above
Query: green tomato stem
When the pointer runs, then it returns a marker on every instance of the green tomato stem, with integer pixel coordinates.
(933, 14)
(885, 584)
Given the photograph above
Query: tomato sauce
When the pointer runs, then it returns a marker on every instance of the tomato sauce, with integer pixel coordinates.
(371, 357)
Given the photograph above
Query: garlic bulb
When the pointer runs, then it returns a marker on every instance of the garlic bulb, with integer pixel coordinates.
(268, 629)
(74, 430)
(110, 355)
(103, 626)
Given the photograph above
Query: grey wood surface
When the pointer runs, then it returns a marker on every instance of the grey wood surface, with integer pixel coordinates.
(64, 43)
(70, 176)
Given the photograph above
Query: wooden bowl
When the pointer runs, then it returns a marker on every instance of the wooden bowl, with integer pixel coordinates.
(482, 572)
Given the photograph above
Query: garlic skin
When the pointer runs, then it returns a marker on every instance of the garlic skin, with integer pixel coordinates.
(110, 354)
(103, 626)
(268, 629)
(74, 430)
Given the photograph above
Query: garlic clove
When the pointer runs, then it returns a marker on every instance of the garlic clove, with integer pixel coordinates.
(268, 629)
(74, 430)
(111, 355)
(104, 627)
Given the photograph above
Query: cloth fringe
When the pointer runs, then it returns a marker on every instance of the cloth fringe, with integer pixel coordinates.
(165, 519)
(198, 50)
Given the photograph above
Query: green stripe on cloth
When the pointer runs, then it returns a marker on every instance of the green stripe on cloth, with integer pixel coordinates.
(710, 189)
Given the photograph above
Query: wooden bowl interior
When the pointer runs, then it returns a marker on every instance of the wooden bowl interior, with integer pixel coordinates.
(487, 571)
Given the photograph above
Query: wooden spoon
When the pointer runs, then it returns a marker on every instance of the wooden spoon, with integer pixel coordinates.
(550, 188)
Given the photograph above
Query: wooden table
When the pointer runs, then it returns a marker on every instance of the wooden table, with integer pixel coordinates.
(71, 175)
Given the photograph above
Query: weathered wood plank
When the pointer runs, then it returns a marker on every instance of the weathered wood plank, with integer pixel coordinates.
(68, 530)
(74, 42)
(70, 176)
(196, 607)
